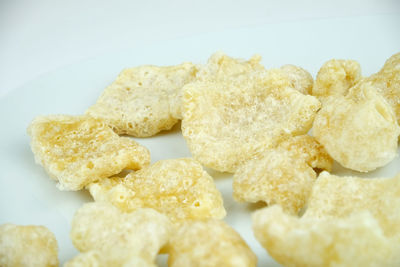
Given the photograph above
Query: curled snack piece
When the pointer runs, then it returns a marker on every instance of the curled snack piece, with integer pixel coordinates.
(109, 237)
(387, 82)
(27, 246)
(208, 244)
(225, 123)
(78, 150)
(300, 79)
(359, 130)
(144, 100)
(336, 77)
(356, 240)
(282, 175)
(180, 188)
(335, 196)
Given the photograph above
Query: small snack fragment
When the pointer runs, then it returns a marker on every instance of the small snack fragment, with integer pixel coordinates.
(282, 175)
(108, 237)
(179, 188)
(356, 240)
(300, 79)
(144, 100)
(349, 221)
(336, 77)
(360, 130)
(30, 246)
(227, 122)
(207, 244)
(78, 150)
(387, 82)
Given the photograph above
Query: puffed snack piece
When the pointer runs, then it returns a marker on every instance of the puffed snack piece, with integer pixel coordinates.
(387, 82)
(144, 100)
(356, 240)
(282, 175)
(207, 244)
(360, 130)
(31, 245)
(110, 237)
(78, 150)
(349, 221)
(336, 77)
(179, 188)
(225, 123)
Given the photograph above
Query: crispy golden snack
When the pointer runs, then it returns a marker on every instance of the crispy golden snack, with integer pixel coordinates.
(227, 122)
(359, 130)
(30, 246)
(109, 237)
(144, 100)
(349, 221)
(282, 175)
(179, 188)
(78, 150)
(207, 244)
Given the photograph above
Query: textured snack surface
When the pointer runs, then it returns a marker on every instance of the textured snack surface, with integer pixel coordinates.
(300, 79)
(94, 258)
(77, 150)
(356, 240)
(283, 175)
(349, 221)
(108, 235)
(227, 122)
(387, 82)
(180, 188)
(336, 77)
(27, 246)
(335, 196)
(144, 100)
(207, 244)
(221, 67)
(359, 130)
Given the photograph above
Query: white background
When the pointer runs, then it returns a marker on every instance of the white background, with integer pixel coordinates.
(37, 36)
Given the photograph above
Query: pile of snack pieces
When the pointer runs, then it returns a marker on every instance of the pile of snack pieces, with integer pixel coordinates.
(240, 118)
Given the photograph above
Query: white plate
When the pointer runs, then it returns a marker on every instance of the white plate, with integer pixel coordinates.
(28, 196)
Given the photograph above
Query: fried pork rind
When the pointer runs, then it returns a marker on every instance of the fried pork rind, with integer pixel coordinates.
(180, 188)
(336, 77)
(78, 150)
(335, 196)
(359, 130)
(33, 246)
(227, 122)
(300, 79)
(349, 221)
(282, 175)
(208, 244)
(108, 237)
(387, 82)
(353, 241)
(144, 100)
